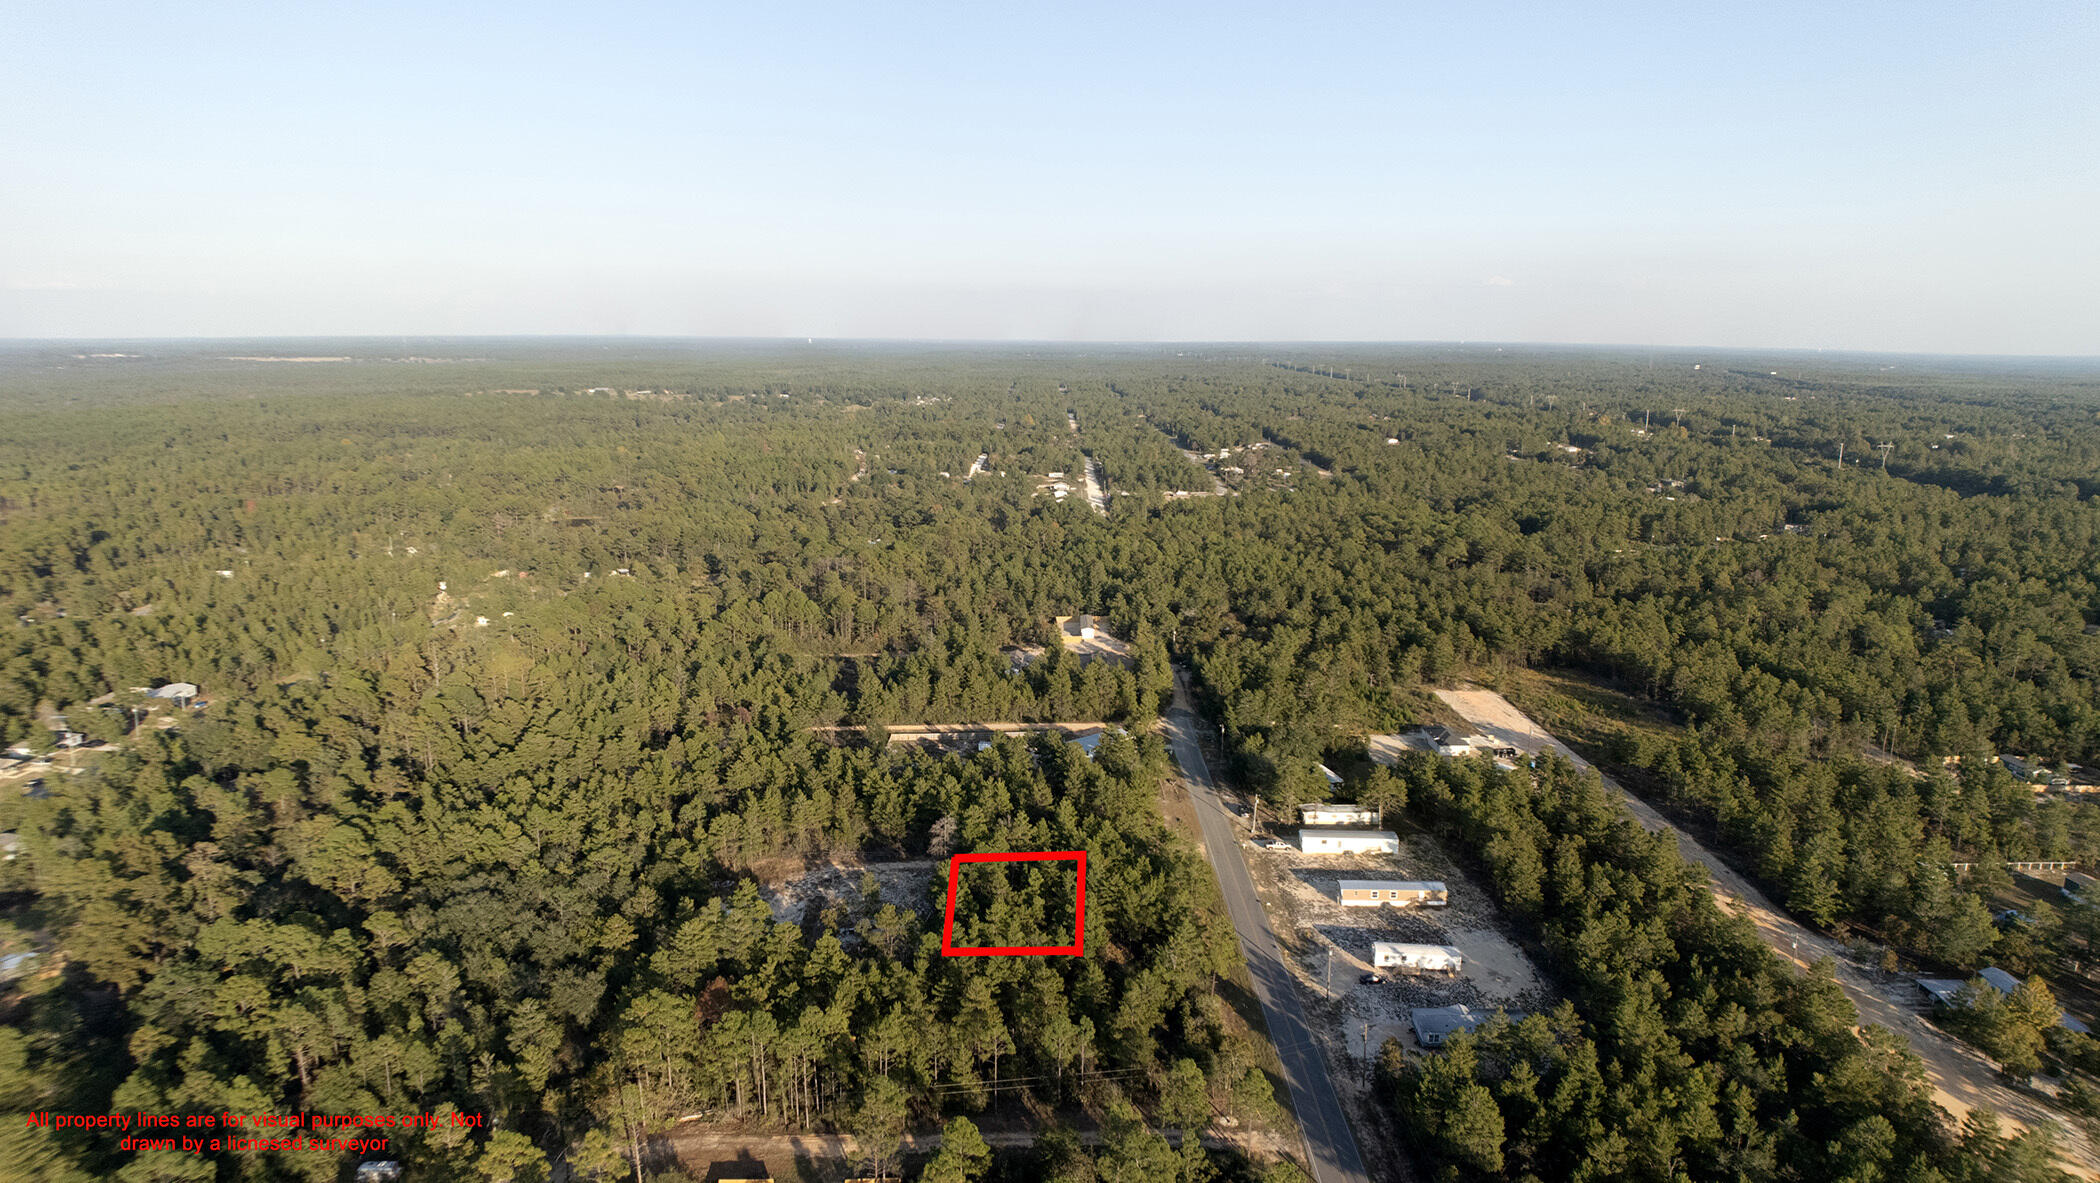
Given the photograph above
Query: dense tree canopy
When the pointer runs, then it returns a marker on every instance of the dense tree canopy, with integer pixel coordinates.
(518, 671)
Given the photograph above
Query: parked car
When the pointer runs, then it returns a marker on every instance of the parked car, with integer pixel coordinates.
(1372, 979)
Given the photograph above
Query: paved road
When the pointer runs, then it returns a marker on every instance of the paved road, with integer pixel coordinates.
(1960, 1077)
(1330, 1146)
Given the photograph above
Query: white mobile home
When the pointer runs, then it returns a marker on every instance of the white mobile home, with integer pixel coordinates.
(1388, 955)
(1398, 893)
(1328, 814)
(1320, 840)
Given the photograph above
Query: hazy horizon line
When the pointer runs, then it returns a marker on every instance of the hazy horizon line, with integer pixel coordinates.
(1053, 342)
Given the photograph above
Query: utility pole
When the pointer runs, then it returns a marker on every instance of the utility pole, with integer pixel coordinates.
(1841, 455)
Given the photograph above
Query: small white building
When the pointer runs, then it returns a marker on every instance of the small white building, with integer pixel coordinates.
(180, 693)
(1326, 840)
(1418, 958)
(1447, 742)
(1086, 627)
(1328, 814)
(1397, 893)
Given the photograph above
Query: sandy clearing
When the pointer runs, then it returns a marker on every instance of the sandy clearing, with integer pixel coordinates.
(907, 885)
(1301, 890)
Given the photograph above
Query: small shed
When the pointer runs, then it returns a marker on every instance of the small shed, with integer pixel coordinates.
(1325, 840)
(1398, 893)
(1419, 958)
(1086, 627)
(1435, 1024)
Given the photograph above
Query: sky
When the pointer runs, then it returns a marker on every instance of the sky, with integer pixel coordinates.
(1919, 176)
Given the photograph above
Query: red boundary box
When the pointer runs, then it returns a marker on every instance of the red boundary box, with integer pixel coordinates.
(1078, 945)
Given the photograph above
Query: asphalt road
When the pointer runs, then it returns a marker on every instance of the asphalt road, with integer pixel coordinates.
(1329, 1145)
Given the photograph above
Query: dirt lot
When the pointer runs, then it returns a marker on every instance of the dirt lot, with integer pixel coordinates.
(1300, 890)
(1098, 645)
(1386, 749)
(908, 885)
(1352, 1020)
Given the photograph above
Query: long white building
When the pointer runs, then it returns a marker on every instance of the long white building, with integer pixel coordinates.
(1329, 814)
(1324, 840)
(1389, 955)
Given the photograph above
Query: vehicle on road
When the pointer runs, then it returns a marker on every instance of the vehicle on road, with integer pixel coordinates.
(1372, 979)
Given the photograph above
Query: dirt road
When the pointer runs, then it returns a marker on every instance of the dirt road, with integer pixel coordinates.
(1961, 1078)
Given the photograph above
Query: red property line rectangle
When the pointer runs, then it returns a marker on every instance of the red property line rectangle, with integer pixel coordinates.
(1078, 946)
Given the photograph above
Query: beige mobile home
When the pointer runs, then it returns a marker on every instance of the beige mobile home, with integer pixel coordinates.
(1398, 893)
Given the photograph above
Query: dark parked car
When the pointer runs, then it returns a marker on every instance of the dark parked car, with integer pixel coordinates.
(1371, 979)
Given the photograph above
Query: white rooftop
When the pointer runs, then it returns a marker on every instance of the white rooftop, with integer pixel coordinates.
(1416, 950)
(1391, 885)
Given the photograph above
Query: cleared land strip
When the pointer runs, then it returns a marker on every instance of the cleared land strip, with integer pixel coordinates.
(1096, 486)
(914, 732)
(702, 1148)
(1961, 1078)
